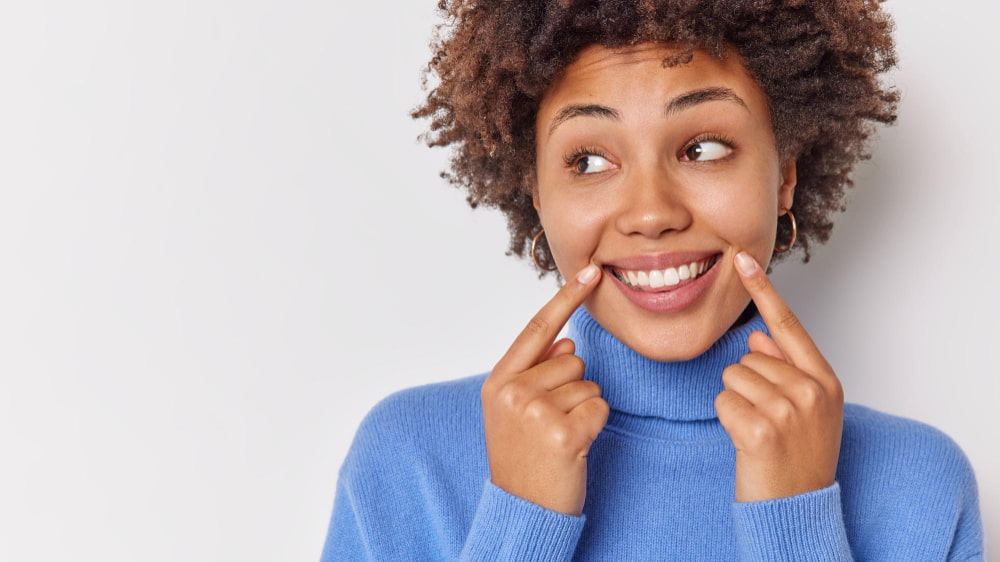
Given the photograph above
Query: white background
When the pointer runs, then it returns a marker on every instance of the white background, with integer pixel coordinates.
(221, 244)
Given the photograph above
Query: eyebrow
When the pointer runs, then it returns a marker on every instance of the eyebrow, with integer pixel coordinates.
(676, 105)
(695, 97)
(592, 110)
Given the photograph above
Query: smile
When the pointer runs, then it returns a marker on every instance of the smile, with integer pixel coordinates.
(663, 279)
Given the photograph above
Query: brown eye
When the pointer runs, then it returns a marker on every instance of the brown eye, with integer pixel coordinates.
(706, 150)
(591, 164)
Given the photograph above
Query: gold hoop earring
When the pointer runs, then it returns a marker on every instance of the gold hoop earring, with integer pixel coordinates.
(534, 257)
(795, 231)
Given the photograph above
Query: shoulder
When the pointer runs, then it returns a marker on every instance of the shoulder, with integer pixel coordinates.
(416, 422)
(907, 488)
(865, 425)
(878, 443)
(414, 472)
(439, 402)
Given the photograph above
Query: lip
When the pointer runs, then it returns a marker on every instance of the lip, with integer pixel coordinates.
(671, 300)
(659, 261)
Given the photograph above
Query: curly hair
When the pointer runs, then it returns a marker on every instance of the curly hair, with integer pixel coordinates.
(817, 62)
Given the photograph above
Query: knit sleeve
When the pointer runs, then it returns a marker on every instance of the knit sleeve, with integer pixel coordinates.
(808, 526)
(507, 527)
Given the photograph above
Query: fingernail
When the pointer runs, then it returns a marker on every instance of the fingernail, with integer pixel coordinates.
(746, 263)
(587, 274)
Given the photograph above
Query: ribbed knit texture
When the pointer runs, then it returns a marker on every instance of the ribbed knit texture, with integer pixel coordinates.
(806, 527)
(415, 484)
(631, 383)
(542, 535)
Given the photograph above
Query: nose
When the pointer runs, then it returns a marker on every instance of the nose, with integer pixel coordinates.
(651, 204)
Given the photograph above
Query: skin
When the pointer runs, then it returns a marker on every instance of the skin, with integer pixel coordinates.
(782, 404)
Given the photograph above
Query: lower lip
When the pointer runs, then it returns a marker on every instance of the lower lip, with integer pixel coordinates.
(671, 300)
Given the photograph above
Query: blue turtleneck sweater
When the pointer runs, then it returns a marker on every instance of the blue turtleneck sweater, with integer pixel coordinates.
(660, 479)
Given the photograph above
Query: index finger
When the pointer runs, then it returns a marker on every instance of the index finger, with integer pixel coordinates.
(784, 326)
(536, 338)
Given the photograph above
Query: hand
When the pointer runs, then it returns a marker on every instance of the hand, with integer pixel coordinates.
(783, 406)
(540, 417)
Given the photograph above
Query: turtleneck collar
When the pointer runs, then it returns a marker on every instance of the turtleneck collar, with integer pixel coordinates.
(640, 387)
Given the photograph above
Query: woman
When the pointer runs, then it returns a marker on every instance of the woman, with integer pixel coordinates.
(657, 154)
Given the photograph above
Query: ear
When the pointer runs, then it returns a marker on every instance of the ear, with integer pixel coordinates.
(786, 193)
(531, 181)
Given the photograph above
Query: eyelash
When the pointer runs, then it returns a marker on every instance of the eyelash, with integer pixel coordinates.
(709, 137)
(571, 158)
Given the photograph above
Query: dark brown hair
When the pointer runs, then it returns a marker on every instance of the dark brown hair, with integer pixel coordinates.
(817, 62)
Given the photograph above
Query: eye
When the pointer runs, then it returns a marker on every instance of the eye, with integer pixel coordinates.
(591, 164)
(706, 150)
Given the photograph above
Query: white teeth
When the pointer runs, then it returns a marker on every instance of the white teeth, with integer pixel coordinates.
(668, 277)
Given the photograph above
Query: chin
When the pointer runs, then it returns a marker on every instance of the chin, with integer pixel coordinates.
(677, 336)
(684, 344)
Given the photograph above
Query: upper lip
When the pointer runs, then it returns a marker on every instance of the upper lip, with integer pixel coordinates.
(659, 261)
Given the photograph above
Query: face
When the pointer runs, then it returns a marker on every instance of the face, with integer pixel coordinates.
(660, 176)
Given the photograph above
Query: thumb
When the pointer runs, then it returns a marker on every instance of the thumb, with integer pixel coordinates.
(564, 346)
(759, 342)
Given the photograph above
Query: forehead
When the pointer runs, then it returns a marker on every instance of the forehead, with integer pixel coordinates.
(634, 76)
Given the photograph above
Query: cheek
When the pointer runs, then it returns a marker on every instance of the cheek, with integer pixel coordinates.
(572, 227)
(744, 216)
(752, 224)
